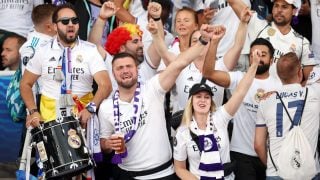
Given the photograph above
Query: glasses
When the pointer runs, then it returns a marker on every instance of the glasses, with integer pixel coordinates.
(66, 21)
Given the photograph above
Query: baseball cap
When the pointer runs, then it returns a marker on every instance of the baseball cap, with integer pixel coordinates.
(295, 3)
(198, 88)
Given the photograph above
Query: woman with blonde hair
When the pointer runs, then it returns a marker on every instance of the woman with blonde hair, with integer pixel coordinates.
(202, 137)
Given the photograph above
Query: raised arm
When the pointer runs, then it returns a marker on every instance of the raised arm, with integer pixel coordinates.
(237, 97)
(169, 75)
(232, 56)
(158, 42)
(237, 6)
(220, 78)
(107, 10)
(154, 11)
(123, 14)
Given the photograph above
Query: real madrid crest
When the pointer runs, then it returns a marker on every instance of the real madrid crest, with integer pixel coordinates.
(259, 94)
(74, 140)
(271, 31)
(79, 58)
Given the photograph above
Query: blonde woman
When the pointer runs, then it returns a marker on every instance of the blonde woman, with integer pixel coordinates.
(202, 137)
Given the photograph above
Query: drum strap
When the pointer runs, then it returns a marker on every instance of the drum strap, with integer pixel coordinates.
(150, 171)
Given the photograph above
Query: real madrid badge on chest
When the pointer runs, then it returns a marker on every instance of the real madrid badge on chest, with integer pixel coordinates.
(271, 31)
(79, 58)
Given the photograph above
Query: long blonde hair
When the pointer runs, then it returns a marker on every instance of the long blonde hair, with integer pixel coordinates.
(188, 111)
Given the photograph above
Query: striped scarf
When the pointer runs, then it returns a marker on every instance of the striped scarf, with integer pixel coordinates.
(210, 166)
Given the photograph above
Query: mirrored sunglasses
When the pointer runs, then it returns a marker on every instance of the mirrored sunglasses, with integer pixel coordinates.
(65, 21)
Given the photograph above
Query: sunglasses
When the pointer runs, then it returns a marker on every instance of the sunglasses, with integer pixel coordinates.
(66, 21)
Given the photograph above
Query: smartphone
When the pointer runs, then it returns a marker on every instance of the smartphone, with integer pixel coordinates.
(214, 4)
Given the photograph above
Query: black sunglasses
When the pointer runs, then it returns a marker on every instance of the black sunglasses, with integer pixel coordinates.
(65, 21)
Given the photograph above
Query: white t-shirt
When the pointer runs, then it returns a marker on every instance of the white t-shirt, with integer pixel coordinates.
(291, 42)
(315, 19)
(185, 147)
(150, 146)
(15, 16)
(86, 61)
(145, 72)
(28, 50)
(314, 75)
(244, 121)
(191, 75)
(270, 113)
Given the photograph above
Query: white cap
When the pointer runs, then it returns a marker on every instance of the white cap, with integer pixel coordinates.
(295, 3)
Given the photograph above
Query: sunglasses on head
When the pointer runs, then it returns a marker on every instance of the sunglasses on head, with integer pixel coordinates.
(65, 21)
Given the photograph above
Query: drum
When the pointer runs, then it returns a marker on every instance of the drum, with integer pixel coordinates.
(62, 149)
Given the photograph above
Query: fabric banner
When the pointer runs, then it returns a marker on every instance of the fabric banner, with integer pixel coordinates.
(10, 132)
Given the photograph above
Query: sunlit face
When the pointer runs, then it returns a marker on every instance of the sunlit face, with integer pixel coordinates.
(125, 72)
(201, 102)
(134, 47)
(185, 23)
(265, 58)
(10, 52)
(67, 33)
(282, 12)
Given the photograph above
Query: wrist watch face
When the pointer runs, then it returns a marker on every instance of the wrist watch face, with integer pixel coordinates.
(90, 109)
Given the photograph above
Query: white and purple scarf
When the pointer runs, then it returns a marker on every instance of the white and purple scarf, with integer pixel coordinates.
(210, 166)
(137, 103)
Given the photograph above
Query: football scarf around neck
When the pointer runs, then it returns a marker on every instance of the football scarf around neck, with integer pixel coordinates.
(137, 103)
(63, 74)
(210, 166)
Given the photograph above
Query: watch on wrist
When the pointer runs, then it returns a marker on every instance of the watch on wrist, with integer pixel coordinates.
(91, 107)
(31, 111)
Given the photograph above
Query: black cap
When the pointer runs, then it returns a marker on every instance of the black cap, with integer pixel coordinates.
(198, 88)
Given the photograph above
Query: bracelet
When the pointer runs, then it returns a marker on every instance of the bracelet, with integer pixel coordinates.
(33, 111)
(203, 42)
(157, 19)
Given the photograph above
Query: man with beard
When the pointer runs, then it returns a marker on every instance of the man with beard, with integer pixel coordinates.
(280, 33)
(248, 164)
(86, 65)
(136, 111)
(67, 66)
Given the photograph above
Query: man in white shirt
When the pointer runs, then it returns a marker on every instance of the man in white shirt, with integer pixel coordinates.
(136, 111)
(273, 122)
(248, 164)
(86, 65)
(280, 33)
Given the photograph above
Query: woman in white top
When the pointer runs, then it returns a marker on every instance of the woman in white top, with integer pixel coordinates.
(206, 125)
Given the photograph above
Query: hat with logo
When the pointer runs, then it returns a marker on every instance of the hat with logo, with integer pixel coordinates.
(198, 88)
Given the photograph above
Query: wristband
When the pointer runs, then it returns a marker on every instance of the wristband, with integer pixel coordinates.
(203, 42)
(33, 111)
(156, 19)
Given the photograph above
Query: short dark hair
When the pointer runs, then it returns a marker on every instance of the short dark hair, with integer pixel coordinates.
(21, 39)
(59, 8)
(288, 66)
(42, 12)
(262, 41)
(124, 55)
